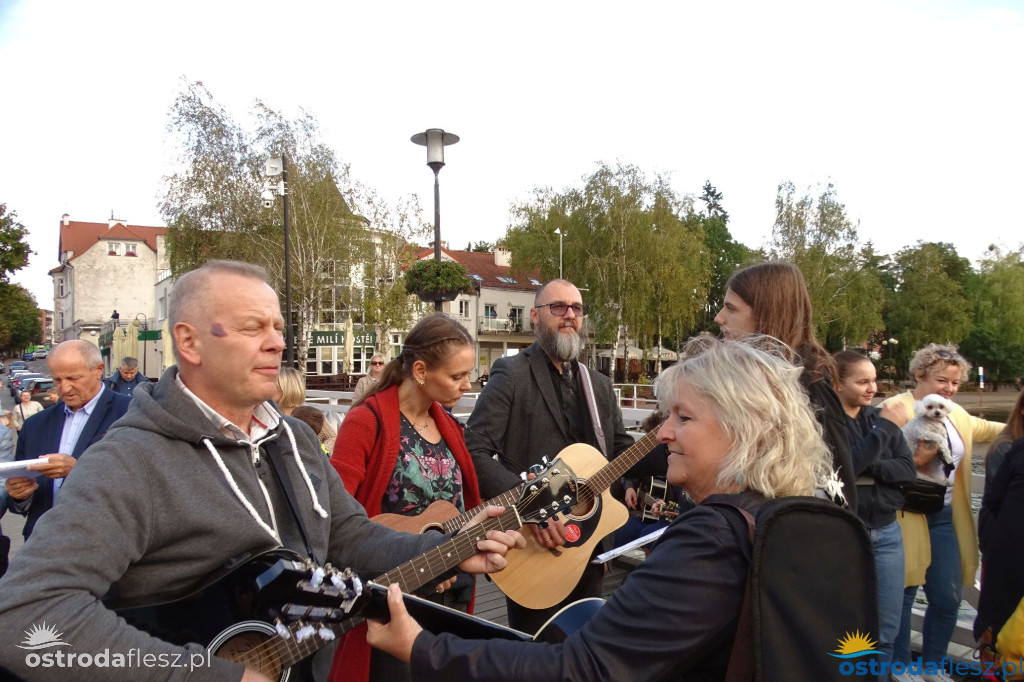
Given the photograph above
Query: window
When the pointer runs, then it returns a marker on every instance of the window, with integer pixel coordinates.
(507, 280)
(60, 290)
(476, 277)
(515, 315)
(113, 248)
(464, 309)
(62, 320)
(490, 310)
(535, 282)
(130, 250)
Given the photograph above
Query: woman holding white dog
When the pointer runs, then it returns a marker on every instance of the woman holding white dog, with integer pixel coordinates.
(941, 549)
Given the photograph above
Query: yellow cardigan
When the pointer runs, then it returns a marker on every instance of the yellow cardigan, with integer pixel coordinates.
(916, 543)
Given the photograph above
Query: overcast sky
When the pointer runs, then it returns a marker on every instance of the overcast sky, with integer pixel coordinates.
(913, 110)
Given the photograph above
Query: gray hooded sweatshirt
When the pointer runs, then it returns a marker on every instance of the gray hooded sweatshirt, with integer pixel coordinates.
(150, 510)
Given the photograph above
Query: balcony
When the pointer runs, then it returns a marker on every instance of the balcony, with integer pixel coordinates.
(503, 325)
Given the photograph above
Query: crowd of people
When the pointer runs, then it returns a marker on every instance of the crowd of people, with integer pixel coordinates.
(149, 488)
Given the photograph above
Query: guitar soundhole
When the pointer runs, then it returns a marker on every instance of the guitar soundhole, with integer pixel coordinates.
(247, 648)
(582, 509)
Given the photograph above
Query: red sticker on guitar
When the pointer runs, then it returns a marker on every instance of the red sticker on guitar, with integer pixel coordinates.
(572, 533)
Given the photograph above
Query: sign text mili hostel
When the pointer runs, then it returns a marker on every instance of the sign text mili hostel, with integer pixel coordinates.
(337, 338)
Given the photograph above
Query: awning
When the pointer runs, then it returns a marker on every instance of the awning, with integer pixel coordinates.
(633, 353)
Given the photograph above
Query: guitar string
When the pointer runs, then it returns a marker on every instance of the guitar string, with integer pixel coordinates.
(617, 466)
(278, 646)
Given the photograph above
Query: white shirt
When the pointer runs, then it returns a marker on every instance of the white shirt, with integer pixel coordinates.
(74, 422)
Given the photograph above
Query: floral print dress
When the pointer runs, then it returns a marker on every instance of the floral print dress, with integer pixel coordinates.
(424, 472)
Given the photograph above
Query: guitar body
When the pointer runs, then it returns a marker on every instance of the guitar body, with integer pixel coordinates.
(232, 614)
(537, 577)
(431, 518)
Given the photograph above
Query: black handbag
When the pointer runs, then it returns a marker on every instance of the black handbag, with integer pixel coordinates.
(924, 496)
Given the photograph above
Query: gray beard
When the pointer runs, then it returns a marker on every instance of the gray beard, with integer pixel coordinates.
(560, 346)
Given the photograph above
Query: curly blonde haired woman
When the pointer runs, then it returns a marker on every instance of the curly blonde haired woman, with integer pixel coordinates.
(941, 548)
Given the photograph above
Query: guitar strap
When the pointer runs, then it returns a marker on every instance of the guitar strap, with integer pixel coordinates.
(595, 418)
(285, 483)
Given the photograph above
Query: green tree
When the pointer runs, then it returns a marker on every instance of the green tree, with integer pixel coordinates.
(929, 304)
(385, 304)
(480, 247)
(725, 255)
(212, 202)
(626, 238)
(815, 234)
(19, 319)
(14, 250)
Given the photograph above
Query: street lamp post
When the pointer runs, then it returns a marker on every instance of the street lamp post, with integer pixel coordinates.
(278, 166)
(144, 323)
(435, 140)
(891, 343)
(560, 234)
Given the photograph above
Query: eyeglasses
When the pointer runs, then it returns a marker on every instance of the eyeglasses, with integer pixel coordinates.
(376, 363)
(560, 309)
(947, 355)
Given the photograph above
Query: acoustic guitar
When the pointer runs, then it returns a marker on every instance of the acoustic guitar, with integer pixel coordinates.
(538, 577)
(270, 611)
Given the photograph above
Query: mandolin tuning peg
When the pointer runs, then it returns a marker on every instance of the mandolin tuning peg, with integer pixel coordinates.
(317, 578)
(522, 475)
(326, 634)
(544, 460)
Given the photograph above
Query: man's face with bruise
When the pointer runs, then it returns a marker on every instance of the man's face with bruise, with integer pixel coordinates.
(238, 345)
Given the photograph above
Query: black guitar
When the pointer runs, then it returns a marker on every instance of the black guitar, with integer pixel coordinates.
(273, 610)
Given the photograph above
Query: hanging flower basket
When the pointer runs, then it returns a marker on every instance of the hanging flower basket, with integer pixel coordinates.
(434, 280)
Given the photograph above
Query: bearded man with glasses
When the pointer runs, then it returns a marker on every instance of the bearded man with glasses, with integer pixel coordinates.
(537, 403)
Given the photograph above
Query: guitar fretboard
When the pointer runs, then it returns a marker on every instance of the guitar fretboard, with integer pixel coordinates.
(615, 469)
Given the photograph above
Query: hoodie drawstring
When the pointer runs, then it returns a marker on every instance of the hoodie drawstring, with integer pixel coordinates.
(305, 475)
(238, 492)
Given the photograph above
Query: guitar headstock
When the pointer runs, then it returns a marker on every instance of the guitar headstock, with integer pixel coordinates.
(550, 492)
(304, 597)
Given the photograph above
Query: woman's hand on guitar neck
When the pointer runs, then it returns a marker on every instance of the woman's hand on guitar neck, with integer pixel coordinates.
(491, 551)
(398, 635)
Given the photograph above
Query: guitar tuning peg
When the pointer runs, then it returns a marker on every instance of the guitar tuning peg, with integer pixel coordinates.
(326, 634)
(317, 578)
(337, 580)
(282, 630)
(304, 633)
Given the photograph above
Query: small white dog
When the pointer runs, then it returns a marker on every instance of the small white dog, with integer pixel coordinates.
(929, 425)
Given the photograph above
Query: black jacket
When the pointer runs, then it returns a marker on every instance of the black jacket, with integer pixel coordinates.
(879, 452)
(830, 414)
(1001, 531)
(673, 618)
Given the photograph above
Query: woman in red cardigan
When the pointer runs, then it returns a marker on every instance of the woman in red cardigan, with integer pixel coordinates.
(398, 450)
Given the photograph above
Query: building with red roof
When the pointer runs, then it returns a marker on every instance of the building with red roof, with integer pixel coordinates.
(104, 267)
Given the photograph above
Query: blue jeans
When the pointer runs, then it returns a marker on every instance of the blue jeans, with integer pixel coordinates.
(887, 543)
(943, 588)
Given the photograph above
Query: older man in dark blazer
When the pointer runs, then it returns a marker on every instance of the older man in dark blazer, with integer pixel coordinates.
(534, 405)
(61, 433)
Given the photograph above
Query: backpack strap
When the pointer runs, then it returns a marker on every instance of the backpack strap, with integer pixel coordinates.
(741, 659)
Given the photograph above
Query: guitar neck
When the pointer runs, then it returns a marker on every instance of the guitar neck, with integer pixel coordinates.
(409, 576)
(616, 468)
(507, 499)
(414, 574)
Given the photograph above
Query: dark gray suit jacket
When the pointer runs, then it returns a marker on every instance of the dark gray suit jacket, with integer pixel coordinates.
(518, 416)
